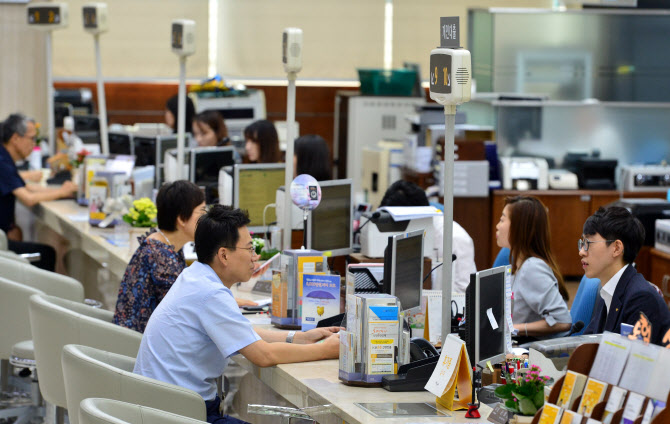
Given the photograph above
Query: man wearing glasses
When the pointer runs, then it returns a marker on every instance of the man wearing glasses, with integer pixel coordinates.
(198, 326)
(611, 240)
(17, 134)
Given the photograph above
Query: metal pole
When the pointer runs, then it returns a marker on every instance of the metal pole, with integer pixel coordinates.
(288, 177)
(181, 117)
(449, 122)
(51, 131)
(102, 104)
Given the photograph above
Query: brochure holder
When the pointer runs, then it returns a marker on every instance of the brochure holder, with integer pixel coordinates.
(581, 361)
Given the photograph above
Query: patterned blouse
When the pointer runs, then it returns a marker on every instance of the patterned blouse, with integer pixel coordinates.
(151, 272)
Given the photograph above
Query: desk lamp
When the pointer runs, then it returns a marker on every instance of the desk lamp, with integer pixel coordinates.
(183, 45)
(292, 60)
(450, 85)
(96, 22)
(49, 17)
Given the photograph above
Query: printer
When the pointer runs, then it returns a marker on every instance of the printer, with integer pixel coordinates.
(648, 211)
(646, 177)
(376, 227)
(524, 173)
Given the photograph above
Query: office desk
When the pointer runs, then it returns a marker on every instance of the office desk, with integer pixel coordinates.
(92, 258)
(316, 383)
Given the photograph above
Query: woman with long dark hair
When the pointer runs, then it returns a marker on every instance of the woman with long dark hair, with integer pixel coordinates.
(539, 305)
(312, 157)
(262, 142)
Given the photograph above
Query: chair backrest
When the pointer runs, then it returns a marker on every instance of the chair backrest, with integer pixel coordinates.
(108, 411)
(502, 258)
(3, 241)
(55, 322)
(8, 254)
(585, 300)
(51, 283)
(91, 372)
(14, 316)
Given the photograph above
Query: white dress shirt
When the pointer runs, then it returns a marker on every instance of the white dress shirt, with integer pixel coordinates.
(608, 289)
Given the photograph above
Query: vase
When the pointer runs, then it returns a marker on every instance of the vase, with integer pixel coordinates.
(522, 419)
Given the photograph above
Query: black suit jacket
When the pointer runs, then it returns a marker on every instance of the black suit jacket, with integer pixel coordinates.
(633, 294)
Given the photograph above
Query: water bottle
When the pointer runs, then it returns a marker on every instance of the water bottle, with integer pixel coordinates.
(35, 158)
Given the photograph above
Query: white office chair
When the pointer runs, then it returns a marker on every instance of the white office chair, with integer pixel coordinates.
(108, 411)
(55, 322)
(93, 372)
(8, 254)
(51, 283)
(14, 300)
(16, 342)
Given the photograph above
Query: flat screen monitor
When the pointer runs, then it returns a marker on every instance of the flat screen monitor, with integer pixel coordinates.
(86, 123)
(485, 316)
(150, 150)
(206, 162)
(403, 268)
(120, 143)
(254, 187)
(329, 226)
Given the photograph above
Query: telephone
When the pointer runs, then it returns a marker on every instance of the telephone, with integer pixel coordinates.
(420, 348)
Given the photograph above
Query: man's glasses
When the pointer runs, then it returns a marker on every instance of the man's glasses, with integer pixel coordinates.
(251, 249)
(584, 243)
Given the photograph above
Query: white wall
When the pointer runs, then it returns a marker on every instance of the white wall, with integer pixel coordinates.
(22, 57)
(137, 45)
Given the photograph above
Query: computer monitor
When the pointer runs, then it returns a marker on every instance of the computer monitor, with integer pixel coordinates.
(329, 226)
(259, 183)
(84, 123)
(206, 162)
(120, 143)
(150, 150)
(403, 268)
(485, 321)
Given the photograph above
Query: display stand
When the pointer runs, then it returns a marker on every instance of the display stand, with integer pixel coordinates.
(581, 361)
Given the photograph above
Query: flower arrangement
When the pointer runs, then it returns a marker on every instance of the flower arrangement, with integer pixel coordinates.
(142, 213)
(525, 395)
(79, 158)
(258, 244)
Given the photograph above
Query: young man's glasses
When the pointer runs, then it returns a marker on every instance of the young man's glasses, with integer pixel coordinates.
(584, 243)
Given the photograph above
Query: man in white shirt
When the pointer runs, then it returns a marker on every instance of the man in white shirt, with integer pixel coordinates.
(405, 193)
(198, 326)
(611, 240)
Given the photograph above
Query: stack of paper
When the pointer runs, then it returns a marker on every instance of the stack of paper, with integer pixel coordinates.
(405, 213)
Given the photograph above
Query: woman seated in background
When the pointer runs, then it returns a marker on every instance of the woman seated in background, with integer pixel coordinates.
(159, 259)
(312, 156)
(262, 142)
(172, 113)
(539, 295)
(209, 129)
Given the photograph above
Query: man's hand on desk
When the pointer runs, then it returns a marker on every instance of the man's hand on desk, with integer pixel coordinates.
(68, 188)
(315, 335)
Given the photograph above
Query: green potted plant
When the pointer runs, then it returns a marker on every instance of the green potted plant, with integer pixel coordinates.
(525, 395)
(142, 213)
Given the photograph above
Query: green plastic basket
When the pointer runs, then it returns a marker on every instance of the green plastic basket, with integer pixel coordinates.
(380, 82)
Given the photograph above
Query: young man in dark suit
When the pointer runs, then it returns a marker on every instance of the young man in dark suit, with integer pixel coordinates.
(611, 240)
